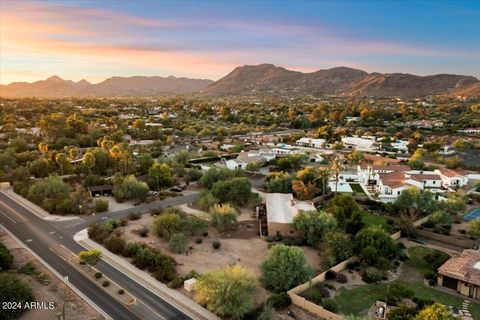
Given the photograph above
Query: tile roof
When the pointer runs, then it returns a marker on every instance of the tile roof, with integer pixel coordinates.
(466, 267)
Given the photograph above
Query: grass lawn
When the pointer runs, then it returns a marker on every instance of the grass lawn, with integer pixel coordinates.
(370, 219)
(416, 258)
(354, 301)
(357, 189)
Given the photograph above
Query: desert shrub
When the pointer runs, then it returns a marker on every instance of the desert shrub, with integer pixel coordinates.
(372, 275)
(134, 216)
(341, 278)
(330, 275)
(176, 283)
(353, 265)
(122, 222)
(13, 288)
(280, 300)
(98, 275)
(317, 297)
(143, 232)
(177, 243)
(191, 274)
(105, 283)
(6, 258)
(216, 244)
(98, 232)
(198, 240)
(278, 237)
(28, 268)
(269, 238)
(330, 305)
(115, 244)
(121, 291)
(100, 205)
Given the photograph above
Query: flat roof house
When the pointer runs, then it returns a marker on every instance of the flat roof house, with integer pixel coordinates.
(462, 274)
(281, 209)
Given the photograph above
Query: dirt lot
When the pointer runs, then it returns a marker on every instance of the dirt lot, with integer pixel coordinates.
(53, 289)
(240, 246)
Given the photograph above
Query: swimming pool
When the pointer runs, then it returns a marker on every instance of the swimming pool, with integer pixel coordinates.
(472, 215)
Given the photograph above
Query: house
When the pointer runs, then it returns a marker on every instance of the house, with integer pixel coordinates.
(380, 161)
(452, 179)
(428, 180)
(282, 149)
(400, 145)
(98, 191)
(462, 274)
(244, 158)
(309, 142)
(360, 144)
(281, 208)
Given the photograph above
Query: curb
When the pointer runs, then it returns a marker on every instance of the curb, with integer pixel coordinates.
(56, 273)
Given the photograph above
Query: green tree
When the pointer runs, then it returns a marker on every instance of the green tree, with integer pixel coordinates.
(228, 291)
(336, 166)
(253, 167)
(285, 268)
(89, 161)
(167, 224)
(280, 182)
(314, 223)
(223, 216)
(213, 175)
(13, 289)
(416, 160)
(130, 188)
(237, 191)
(339, 247)
(6, 258)
(160, 176)
(373, 245)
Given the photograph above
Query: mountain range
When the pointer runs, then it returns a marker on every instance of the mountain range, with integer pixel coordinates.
(264, 79)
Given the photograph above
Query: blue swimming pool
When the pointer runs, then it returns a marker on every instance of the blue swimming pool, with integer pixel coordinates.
(472, 215)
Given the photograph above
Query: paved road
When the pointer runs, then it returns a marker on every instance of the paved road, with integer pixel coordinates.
(48, 240)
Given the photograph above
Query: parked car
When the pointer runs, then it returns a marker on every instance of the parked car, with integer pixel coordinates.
(176, 189)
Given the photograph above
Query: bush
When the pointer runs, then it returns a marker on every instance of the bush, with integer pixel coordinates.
(122, 222)
(216, 244)
(330, 305)
(178, 243)
(28, 268)
(198, 240)
(115, 244)
(353, 265)
(176, 283)
(98, 232)
(330, 275)
(430, 275)
(100, 205)
(280, 300)
(341, 278)
(6, 258)
(121, 291)
(317, 297)
(143, 232)
(324, 292)
(134, 216)
(372, 275)
(105, 283)
(14, 289)
(269, 238)
(278, 237)
(98, 275)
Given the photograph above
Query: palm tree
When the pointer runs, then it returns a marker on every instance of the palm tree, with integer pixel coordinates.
(323, 175)
(336, 166)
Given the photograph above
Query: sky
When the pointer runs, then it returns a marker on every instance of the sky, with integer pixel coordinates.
(95, 40)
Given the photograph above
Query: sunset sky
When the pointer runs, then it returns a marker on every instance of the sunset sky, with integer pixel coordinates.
(99, 39)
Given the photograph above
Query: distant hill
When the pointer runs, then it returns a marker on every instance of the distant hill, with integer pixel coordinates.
(55, 87)
(263, 79)
(340, 81)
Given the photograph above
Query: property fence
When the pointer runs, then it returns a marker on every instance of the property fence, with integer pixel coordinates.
(315, 308)
(462, 243)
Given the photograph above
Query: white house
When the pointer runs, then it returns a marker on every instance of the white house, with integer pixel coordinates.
(400, 145)
(310, 142)
(242, 162)
(451, 178)
(360, 144)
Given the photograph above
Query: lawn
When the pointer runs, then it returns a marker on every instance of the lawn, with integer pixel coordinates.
(370, 219)
(356, 300)
(417, 261)
(357, 189)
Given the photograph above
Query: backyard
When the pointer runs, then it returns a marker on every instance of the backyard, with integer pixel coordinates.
(357, 299)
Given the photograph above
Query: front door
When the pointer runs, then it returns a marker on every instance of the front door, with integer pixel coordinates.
(471, 291)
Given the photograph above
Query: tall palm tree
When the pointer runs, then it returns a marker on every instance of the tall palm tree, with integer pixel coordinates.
(323, 176)
(336, 166)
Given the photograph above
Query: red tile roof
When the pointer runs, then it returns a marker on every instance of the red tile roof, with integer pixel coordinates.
(466, 267)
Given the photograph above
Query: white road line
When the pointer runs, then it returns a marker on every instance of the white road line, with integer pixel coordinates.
(8, 217)
(28, 240)
(14, 211)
